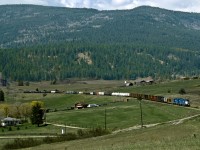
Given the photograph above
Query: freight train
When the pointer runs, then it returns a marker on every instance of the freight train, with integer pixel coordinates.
(162, 99)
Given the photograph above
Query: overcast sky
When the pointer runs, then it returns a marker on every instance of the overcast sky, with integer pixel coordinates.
(180, 5)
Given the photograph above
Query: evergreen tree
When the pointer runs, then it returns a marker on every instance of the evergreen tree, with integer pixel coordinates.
(1, 95)
(37, 113)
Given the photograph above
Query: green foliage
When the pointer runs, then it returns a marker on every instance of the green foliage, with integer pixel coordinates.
(2, 95)
(54, 82)
(22, 143)
(92, 133)
(27, 83)
(37, 114)
(182, 91)
(122, 44)
(20, 83)
(108, 62)
(10, 128)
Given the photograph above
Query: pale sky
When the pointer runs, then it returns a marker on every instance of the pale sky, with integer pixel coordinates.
(179, 5)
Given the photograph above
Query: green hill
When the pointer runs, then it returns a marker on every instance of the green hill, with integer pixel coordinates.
(47, 43)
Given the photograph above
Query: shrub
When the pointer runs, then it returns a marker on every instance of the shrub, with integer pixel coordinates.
(49, 140)
(27, 83)
(66, 137)
(22, 143)
(182, 91)
(98, 132)
(92, 133)
(20, 83)
(2, 95)
(25, 143)
(10, 128)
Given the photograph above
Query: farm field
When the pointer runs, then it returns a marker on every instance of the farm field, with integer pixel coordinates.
(15, 93)
(120, 115)
(184, 136)
(115, 112)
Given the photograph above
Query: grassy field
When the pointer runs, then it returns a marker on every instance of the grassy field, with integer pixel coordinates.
(15, 93)
(119, 115)
(192, 88)
(185, 136)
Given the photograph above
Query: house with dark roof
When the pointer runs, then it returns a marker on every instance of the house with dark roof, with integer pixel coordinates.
(142, 81)
(8, 121)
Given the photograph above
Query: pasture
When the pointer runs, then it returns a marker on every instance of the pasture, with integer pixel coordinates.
(184, 136)
(113, 112)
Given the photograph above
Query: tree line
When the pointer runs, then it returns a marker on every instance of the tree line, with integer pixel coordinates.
(34, 111)
(97, 61)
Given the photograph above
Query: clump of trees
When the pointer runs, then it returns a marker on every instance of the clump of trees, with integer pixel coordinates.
(16, 110)
(34, 110)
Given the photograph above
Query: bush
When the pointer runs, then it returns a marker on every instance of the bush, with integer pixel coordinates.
(25, 143)
(49, 140)
(27, 83)
(67, 137)
(182, 91)
(20, 83)
(10, 129)
(92, 133)
(98, 132)
(22, 143)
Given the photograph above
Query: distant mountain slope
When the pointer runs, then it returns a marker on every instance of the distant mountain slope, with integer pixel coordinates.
(46, 43)
(25, 25)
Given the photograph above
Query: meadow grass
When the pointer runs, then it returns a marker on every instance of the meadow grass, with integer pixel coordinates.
(29, 129)
(185, 136)
(120, 114)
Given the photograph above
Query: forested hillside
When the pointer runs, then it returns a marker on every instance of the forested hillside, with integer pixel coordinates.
(47, 43)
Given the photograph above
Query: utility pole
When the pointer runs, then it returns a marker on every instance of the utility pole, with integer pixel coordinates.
(105, 120)
(141, 118)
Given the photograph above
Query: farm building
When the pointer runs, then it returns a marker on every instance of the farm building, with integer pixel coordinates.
(142, 81)
(92, 105)
(80, 105)
(10, 121)
(128, 83)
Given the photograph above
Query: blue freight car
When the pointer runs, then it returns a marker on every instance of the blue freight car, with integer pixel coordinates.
(181, 101)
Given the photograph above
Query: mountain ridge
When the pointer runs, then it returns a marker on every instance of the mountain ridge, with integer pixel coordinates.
(47, 43)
